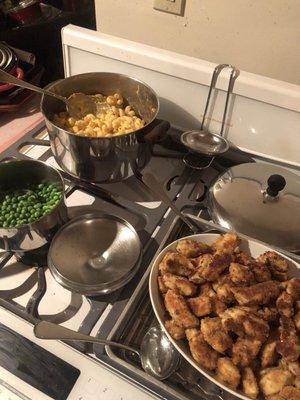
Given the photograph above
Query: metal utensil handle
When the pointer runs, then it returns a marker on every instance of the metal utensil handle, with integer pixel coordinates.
(234, 74)
(152, 183)
(8, 78)
(48, 330)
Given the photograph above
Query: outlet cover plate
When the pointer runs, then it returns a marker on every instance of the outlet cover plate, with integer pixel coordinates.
(170, 6)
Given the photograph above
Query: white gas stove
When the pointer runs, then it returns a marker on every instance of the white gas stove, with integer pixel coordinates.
(264, 121)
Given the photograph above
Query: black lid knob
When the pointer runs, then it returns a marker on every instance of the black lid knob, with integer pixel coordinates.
(275, 184)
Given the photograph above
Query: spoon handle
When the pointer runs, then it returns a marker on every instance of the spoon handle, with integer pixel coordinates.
(152, 183)
(8, 78)
(48, 330)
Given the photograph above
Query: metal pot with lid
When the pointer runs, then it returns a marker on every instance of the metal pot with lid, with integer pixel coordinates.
(261, 201)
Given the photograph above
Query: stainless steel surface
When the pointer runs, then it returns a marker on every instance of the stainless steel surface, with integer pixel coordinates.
(95, 254)
(48, 330)
(152, 183)
(107, 159)
(238, 200)
(203, 141)
(78, 104)
(158, 356)
(13, 175)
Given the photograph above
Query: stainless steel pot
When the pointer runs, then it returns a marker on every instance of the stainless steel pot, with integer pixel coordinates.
(13, 175)
(102, 159)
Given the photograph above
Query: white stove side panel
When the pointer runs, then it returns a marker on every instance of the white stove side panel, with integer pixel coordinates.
(264, 114)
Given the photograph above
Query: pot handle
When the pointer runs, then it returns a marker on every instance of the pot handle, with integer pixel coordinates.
(157, 132)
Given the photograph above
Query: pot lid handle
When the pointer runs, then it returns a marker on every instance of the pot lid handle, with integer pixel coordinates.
(275, 184)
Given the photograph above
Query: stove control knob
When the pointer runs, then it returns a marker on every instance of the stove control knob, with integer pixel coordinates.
(275, 184)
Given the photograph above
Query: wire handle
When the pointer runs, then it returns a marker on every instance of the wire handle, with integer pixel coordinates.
(233, 75)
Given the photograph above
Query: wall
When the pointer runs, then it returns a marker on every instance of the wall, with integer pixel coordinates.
(259, 36)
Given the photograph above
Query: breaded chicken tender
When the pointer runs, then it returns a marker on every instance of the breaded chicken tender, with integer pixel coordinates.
(162, 287)
(272, 380)
(200, 263)
(277, 265)
(183, 285)
(192, 249)
(179, 310)
(244, 351)
(207, 290)
(219, 263)
(222, 288)
(284, 305)
(176, 264)
(215, 334)
(269, 355)
(290, 393)
(288, 345)
(241, 275)
(200, 306)
(249, 383)
(177, 332)
(293, 288)
(269, 314)
(227, 243)
(245, 324)
(228, 373)
(259, 294)
(205, 356)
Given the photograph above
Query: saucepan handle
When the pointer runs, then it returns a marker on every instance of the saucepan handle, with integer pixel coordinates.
(157, 131)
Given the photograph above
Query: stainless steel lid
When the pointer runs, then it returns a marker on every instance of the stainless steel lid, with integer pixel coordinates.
(94, 254)
(261, 201)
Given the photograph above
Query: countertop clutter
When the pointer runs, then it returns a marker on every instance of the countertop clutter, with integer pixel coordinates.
(87, 244)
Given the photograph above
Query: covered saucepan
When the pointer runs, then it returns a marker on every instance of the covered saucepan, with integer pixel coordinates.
(260, 200)
(102, 159)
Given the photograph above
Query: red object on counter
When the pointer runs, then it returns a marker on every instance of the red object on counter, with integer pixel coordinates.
(26, 12)
(18, 73)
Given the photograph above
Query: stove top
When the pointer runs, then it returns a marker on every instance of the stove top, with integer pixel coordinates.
(125, 314)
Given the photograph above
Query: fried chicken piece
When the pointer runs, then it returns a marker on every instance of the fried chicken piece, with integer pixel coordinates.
(293, 288)
(269, 355)
(200, 306)
(179, 310)
(288, 345)
(269, 314)
(290, 393)
(261, 293)
(243, 258)
(177, 332)
(249, 383)
(297, 320)
(223, 289)
(183, 285)
(227, 243)
(219, 263)
(177, 264)
(202, 353)
(241, 275)
(228, 373)
(272, 380)
(218, 306)
(244, 351)
(284, 305)
(245, 324)
(261, 271)
(215, 334)
(277, 265)
(161, 285)
(192, 249)
(200, 263)
(206, 290)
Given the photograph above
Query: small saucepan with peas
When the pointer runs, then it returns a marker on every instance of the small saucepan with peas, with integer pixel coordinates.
(32, 204)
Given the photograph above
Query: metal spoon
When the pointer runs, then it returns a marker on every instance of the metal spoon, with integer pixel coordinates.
(152, 183)
(158, 356)
(78, 104)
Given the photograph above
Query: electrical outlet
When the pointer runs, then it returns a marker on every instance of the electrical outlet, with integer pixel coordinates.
(170, 6)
